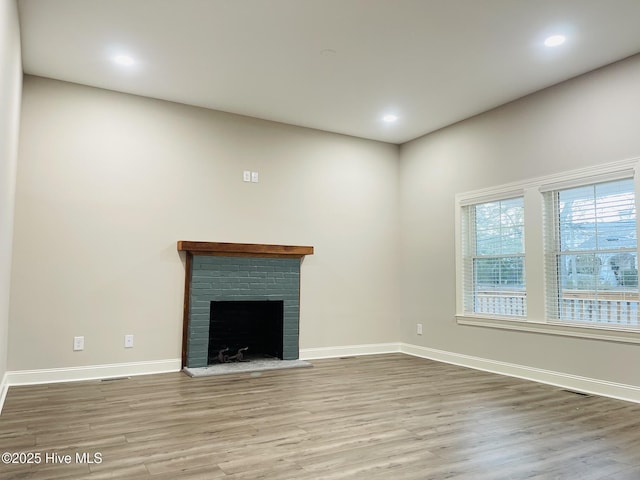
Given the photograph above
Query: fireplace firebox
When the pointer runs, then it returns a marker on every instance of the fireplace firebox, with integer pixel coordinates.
(254, 325)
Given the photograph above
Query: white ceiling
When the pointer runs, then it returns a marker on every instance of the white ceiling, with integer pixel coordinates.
(336, 65)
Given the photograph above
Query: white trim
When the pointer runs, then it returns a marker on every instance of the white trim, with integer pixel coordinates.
(534, 233)
(577, 383)
(563, 380)
(628, 166)
(348, 351)
(576, 181)
(598, 332)
(594, 174)
(4, 389)
(92, 372)
(489, 195)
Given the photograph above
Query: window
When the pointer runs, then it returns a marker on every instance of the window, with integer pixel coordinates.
(579, 274)
(591, 261)
(493, 251)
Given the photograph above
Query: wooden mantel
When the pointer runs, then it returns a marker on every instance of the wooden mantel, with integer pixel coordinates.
(244, 249)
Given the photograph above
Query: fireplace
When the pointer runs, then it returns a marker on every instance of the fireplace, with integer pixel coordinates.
(241, 278)
(254, 325)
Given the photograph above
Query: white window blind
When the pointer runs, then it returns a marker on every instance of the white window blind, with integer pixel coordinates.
(493, 258)
(591, 260)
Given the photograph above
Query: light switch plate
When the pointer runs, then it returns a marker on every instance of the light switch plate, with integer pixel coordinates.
(78, 344)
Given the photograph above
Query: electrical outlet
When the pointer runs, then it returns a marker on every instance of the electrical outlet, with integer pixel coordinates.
(78, 343)
(419, 328)
(246, 176)
(254, 177)
(128, 341)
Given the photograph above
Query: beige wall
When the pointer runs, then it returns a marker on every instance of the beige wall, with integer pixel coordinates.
(107, 183)
(587, 121)
(10, 87)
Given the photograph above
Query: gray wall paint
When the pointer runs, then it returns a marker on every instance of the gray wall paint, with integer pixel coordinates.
(10, 91)
(108, 183)
(586, 121)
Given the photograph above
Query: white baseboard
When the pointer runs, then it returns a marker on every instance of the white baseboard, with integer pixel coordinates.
(91, 372)
(4, 388)
(348, 350)
(563, 380)
(594, 386)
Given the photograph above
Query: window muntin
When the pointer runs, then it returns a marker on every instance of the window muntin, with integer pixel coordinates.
(494, 258)
(591, 249)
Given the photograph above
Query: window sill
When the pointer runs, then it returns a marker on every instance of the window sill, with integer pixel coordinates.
(598, 333)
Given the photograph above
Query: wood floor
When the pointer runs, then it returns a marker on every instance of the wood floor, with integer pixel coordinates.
(390, 417)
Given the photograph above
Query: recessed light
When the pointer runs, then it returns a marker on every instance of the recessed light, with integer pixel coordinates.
(390, 118)
(124, 60)
(555, 40)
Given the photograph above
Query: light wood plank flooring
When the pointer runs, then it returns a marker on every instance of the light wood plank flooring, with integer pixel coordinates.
(379, 417)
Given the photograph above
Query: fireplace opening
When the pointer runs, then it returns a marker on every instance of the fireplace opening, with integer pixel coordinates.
(256, 326)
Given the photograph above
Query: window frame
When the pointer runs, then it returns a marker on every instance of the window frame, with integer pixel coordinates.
(554, 253)
(471, 256)
(537, 289)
